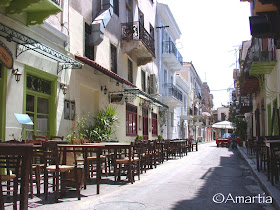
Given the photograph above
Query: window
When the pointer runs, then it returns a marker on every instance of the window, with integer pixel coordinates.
(223, 117)
(116, 7)
(69, 110)
(130, 71)
(131, 120)
(129, 17)
(152, 31)
(114, 67)
(37, 106)
(141, 18)
(143, 80)
(89, 53)
(154, 124)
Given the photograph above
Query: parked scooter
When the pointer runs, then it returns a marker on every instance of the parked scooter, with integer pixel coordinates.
(233, 141)
(233, 144)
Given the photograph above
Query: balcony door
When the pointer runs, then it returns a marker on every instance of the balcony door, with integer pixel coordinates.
(145, 121)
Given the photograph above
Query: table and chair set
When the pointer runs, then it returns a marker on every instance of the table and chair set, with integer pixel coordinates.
(267, 152)
(58, 165)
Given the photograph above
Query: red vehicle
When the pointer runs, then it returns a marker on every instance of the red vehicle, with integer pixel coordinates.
(224, 141)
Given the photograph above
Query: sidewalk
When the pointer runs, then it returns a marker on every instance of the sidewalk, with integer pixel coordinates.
(273, 191)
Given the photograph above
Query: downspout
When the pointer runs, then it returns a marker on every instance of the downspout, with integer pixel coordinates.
(100, 22)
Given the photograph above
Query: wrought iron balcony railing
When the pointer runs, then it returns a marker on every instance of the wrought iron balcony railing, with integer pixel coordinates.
(57, 2)
(172, 90)
(134, 31)
(169, 47)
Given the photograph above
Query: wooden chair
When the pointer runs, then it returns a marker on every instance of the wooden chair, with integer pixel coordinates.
(11, 165)
(52, 164)
(40, 138)
(129, 163)
(92, 160)
(57, 138)
(37, 163)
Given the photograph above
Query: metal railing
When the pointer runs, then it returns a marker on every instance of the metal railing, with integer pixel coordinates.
(172, 90)
(169, 47)
(135, 31)
(56, 2)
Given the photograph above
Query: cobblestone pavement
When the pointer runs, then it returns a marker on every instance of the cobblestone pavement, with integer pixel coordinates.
(211, 178)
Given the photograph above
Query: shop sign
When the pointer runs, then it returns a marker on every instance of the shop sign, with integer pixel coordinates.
(116, 98)
(6, 57)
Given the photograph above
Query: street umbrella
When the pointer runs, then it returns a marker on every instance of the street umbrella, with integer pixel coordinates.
(223, 124)
(206, 114)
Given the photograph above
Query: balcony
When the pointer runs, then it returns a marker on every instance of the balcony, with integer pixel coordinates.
(264, 63)
(245, 104)
(184, 114)
(172, 96)
(264, 6)
(248, 84)
(31, 12)
(257, 61)
(171, 56)
(137, 43)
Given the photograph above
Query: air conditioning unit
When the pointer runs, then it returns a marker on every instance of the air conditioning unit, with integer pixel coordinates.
(153, 84)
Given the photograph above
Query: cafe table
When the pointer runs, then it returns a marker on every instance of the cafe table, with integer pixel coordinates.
(24, 150)
(178, 146)
(271, 144)
(85, 149)
(117, 146)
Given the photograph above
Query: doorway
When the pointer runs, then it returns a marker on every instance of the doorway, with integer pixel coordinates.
(145, 123)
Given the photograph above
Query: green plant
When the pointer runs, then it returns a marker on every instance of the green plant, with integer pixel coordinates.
(139, 137)
(100, 127)
(240, 123)
(159, 137)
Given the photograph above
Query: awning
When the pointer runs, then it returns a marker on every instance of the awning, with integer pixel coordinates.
(104, 70)
(145, 96)
(26, 43)
(224, 125)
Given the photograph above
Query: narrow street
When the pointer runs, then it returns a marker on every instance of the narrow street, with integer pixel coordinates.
(188, 183)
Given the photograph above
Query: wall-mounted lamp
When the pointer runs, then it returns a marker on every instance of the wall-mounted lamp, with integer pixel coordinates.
(17, 74)
(63, 87)
(117, 84)
(104, 88)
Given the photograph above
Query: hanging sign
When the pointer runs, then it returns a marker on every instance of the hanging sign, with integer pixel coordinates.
(6, 57)
(116, 98)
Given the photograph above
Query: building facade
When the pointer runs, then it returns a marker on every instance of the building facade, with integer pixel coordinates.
(64, 61)
(257, 81)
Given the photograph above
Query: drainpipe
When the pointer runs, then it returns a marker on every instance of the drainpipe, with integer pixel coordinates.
(100, 22)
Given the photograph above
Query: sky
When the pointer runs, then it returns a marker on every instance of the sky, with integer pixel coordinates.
(212, 31)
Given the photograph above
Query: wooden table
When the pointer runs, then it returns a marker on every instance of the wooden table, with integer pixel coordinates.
(270, 144)
(179, 144)
(115, 146)
(25, 150)
(85, 148)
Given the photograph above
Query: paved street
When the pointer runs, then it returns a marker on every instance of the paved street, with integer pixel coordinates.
(188, 183)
